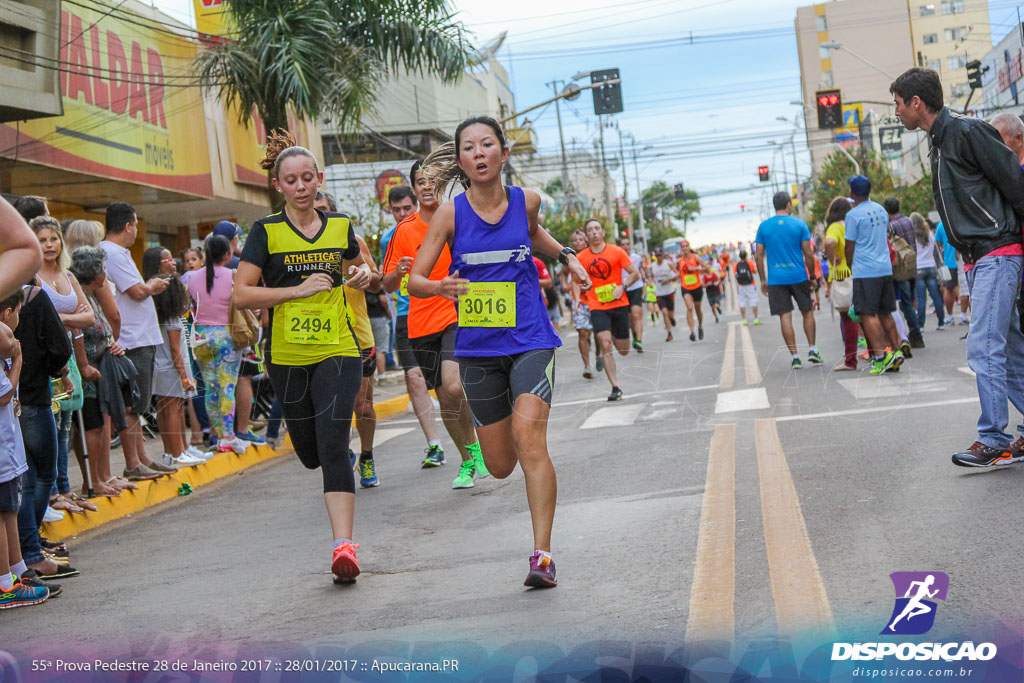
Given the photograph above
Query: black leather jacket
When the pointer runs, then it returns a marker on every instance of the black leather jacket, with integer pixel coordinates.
(978, 185)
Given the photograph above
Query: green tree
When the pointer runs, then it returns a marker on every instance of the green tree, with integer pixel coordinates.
(661, 205)
(327, 59)
(831, 182)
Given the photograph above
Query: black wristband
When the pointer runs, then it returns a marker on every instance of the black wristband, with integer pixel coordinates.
(563, 257)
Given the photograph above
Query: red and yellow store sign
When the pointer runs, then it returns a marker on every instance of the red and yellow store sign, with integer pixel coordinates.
(124, 118)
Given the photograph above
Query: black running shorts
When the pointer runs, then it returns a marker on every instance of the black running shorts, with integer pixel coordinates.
(873, 295)
(369, 357)
(780, 297)
(403, 347)
(667, 301)
(697, 294)
(635, 296)
(615, 320)
(432, 350)
(492, 384)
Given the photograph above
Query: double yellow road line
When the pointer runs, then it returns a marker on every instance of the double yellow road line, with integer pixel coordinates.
(797, 589)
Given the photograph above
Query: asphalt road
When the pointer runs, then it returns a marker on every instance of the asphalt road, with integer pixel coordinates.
(710, 504)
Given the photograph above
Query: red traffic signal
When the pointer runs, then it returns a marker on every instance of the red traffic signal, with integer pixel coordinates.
(830, 109)
(762, 173)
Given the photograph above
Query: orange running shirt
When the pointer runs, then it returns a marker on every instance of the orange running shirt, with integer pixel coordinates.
(605, 269)
(426, 316)
(689, 272)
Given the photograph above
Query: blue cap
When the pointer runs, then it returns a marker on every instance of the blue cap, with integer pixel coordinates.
(860, 186)
(227, 229)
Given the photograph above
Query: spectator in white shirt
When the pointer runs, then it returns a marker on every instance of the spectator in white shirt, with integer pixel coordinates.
(140, 329)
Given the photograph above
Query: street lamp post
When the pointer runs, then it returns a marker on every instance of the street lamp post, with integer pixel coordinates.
(833, 45)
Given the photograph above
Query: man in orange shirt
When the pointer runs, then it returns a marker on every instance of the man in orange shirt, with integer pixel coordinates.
(609, 306)
(432, 326)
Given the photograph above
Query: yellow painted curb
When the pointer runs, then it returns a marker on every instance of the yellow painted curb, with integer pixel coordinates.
(156, 491)
(390, 407)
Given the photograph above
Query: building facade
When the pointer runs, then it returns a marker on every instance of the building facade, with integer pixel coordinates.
(136, 127)
(879, 39)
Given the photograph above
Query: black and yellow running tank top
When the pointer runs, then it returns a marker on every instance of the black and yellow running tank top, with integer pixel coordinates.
(309, 330)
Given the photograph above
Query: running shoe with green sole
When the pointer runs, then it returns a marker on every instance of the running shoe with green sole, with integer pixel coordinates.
(758, 322)
(796, 364)
(880, 365)
(435, 457)
(814, 356)
(465, 478)
(478, 459)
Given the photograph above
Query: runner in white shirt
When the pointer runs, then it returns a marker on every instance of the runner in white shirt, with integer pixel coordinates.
(665, 278)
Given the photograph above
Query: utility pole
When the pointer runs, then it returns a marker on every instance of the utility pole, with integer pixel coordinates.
(639, 199)
(561, 141)
(604, 179)
(625, 188)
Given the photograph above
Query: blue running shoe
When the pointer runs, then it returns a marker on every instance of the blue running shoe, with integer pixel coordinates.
(352, 459)
(368, 474)
(21, 595)
(435, 457)
(252, 438)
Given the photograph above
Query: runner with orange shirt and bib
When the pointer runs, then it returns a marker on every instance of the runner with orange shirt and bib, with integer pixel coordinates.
(690, 268)
(432, 325)
(609, 305)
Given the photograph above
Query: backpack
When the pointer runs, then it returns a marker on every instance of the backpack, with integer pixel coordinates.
(903, 257)
(744, 276)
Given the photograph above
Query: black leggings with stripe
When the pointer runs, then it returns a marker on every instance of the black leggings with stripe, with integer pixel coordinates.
(493, 383)
(317, 401)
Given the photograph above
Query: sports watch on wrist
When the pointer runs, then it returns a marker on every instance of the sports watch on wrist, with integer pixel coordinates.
(563, 257)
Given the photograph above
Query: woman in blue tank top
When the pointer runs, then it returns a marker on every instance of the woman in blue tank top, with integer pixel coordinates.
(505, 344)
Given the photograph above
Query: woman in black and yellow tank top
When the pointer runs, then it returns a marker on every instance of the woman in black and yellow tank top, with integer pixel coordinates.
(303, 256)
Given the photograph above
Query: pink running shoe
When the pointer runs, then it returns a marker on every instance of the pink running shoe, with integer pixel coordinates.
(542, 571)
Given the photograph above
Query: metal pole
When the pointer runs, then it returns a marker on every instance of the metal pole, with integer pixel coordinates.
(604, 180)
(561, 142)
(625, 188)
(639, 199)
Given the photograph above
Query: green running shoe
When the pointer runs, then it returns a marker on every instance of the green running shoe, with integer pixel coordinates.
(435, 457)
(478, 459)
(465, 478)
(880, 365)
(814, 356)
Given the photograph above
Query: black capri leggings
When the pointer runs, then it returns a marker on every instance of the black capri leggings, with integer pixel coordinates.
(317, 402)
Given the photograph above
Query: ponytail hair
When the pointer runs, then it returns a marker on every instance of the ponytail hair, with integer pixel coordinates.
(441, 166)
(280, 146)
(216, 247)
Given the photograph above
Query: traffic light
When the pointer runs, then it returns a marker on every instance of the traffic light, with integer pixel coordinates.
(607, 98)
(830, 109)
(762, 173)
(974, 74)
(678, 189)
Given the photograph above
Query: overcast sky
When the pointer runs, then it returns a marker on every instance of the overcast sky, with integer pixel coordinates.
(736, 77)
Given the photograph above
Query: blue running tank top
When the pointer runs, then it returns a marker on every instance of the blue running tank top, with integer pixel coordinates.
(500, 252)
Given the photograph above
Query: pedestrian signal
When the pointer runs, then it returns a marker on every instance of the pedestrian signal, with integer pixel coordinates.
(830, 109)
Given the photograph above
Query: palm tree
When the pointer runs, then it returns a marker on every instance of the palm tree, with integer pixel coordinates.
(327, 58)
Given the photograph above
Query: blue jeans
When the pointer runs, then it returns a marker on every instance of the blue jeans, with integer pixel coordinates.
(63, 484)
(39, 432)
(995, 345)
(928, 282)
(199, 400)
(904, 290)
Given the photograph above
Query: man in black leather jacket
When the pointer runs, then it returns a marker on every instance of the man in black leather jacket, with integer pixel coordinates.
(979, 192)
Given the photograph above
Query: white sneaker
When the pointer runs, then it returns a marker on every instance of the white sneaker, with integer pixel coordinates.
(53, 515)
(196, 453)
(237, 445)
(182, 460)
